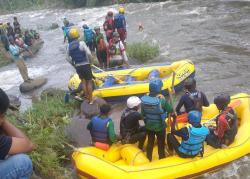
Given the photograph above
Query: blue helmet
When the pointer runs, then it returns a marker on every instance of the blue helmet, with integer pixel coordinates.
(194, 117)
(155, 86)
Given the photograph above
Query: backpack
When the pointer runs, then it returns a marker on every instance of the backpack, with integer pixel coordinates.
(197, 100)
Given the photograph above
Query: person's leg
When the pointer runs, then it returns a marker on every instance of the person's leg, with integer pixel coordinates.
(172, 142)
(16, 166)
(84, 87)
(151, 139)
(161, 143)
(22, 69)
(139, 136)
(89, 86)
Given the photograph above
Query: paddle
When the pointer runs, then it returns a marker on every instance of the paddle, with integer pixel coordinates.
(171, 92)
(183, 118)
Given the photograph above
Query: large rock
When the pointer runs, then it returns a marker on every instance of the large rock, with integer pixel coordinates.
(90, 110)
(32, 84)
(15, 102)
(54, 26)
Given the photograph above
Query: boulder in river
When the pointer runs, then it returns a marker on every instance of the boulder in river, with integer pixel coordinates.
(32, 84)
(54, 26)
(90, 110)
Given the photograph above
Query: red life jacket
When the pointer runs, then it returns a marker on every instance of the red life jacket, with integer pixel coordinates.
(108, 24)
(224, 122)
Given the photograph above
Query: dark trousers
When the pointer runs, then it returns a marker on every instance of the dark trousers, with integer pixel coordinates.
(173, 144)
(138, 136)
(160, 141)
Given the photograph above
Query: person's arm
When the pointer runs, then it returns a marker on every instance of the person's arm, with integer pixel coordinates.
(111, 131)
(83, 47)
(204, 100)
(179, 105)
(124, 54)
(166, 106)
(183, 133)
(89, 126)
(20, 142)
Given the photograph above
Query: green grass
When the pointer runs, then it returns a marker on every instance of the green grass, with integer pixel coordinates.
(142, 51)
(45, 124)
(3, 59)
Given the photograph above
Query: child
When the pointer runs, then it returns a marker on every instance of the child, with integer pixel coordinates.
(101, 127)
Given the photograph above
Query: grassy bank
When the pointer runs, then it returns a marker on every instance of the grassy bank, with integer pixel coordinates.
(142, 51)
(45, 124)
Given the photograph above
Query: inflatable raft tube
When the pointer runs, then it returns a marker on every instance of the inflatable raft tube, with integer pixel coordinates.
(32, 84)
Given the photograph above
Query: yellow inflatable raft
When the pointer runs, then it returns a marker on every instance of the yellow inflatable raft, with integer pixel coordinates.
(120, 84)
(127, 161)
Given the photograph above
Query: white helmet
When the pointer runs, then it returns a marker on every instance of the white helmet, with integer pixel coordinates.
(133, 101)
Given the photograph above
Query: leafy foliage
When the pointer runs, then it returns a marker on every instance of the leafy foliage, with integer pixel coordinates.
(142, 51)
(45, 124)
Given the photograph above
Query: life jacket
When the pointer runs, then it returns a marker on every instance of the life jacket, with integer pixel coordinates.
(88, 34)
(196, 99)
(99, 131)
(100, 43)
(124, 129)
(154, 114)
(14, 50)
(113, 50)
(109, 24)
(226, 125)
(119, 20)
(194, 145)
(77, 55)
(66, 30)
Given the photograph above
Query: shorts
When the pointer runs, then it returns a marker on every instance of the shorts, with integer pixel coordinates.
(102, 56)
(84, 72)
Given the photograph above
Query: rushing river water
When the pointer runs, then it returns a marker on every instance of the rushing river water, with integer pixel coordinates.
(214, 34)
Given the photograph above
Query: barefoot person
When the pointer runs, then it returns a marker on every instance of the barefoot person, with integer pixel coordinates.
(80, 55)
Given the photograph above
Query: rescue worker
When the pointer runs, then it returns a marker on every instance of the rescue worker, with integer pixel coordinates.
(117, 52)
(130, 129)
(101, 48)
(80, 55)
(109, 26)
(192, 138)
(88, 37)
(154, 109)
(226, 123)
(15, 52)
(10, 30)
(101, 127)
(192, 99)
(120, 25)
(66, 29)
(17, 27)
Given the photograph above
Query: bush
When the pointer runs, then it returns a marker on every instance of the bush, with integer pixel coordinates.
(142, 51)
(45, 124)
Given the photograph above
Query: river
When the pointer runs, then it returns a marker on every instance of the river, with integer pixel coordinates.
(214, 34)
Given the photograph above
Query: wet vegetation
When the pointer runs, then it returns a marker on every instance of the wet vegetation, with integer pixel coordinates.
(45, 124)
(142, 51)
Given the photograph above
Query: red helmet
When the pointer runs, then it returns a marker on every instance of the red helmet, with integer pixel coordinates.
(110, 13)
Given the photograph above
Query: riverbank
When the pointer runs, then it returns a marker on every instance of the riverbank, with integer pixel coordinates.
(45, 123)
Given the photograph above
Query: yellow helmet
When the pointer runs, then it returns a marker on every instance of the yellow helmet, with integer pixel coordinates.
(74, 33)
(121, 10)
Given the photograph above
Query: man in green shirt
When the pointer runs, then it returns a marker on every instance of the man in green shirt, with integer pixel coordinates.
(101, 127)
(154, 109)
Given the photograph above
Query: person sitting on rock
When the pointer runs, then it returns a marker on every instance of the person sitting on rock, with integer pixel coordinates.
(192, 137)
(192, 99)
(13, 143)
(101, 127)
(226, 123)
(130, 129)
(20, 43)
(15, 52)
